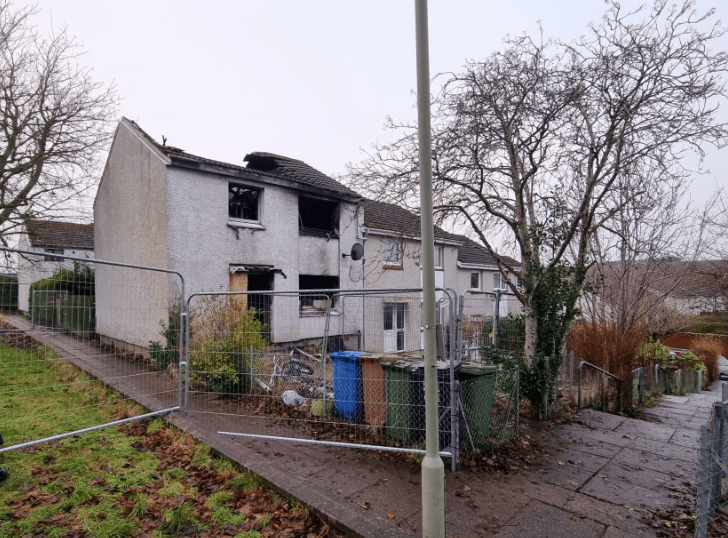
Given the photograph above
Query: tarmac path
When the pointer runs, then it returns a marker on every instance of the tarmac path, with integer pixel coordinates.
(602, 473)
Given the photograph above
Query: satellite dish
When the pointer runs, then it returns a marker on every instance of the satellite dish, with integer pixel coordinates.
(357, 251)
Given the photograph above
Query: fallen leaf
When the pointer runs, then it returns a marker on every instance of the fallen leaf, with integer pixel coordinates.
(466, 488)
(390, 515)
(365, 506)
(573, 483)
(561, 462)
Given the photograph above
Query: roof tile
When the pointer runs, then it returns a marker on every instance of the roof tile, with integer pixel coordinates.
(55, 234)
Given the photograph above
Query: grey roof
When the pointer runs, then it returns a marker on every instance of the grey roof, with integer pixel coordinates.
(472, 253)
(263, 164)
(393, 218)
(54, 234)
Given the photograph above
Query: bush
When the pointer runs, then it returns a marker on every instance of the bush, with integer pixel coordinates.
(708, 349)
(607, 345)
(687, 359)
(653, 351)
(163, 356)
(225, 335)
(77, 281)
(510, 337)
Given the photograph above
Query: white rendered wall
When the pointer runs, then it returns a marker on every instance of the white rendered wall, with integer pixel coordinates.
(130, 226)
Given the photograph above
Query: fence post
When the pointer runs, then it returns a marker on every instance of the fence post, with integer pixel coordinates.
(496, 316)
(518, 400)
(716, 442)
(579, 378)
(571, 373)
(703, 494)
(453, 322)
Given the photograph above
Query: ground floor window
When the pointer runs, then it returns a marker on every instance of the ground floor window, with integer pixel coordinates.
(316, 303)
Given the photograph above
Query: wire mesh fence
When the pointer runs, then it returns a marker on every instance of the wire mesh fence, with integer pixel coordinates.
(291, 368)
(76, 325)
(308, 365)
(712, 467)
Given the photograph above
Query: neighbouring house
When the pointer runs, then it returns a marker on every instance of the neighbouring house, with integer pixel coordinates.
(50, 239)
(478, 272)
(275, 223)
(392, 260)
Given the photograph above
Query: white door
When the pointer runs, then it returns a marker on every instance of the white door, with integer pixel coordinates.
(394, 327)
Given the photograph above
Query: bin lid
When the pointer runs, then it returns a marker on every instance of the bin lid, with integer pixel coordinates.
(478, 369)
(379, 357)
(400, 364)
(346, 355)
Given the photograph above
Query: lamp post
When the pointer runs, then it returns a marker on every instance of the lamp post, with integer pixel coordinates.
(433, 469)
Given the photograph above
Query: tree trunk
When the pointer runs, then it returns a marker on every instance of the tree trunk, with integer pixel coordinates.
(529, 346)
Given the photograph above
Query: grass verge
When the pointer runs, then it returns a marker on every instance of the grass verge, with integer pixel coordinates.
(142, 479)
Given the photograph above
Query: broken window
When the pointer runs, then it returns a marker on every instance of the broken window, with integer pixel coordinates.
(318, 217)
(243, 202)
(316, 303)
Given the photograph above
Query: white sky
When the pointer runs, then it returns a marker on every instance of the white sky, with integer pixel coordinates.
(312, 80)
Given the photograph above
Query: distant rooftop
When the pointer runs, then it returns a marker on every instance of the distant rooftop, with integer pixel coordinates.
(55, 234)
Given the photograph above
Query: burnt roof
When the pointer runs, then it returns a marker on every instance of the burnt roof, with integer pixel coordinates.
(263, 164)
(55, 234)
(393, 218)
(295, 170)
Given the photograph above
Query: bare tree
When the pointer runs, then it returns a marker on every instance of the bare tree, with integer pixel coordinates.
(645, 254)
(55, 122)
(543, 142)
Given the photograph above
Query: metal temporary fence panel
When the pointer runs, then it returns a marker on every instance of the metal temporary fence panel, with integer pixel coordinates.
(478, 324)
(82, 326)
(313, 366)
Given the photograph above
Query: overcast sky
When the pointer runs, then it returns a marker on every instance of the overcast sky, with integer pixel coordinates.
(314, 80)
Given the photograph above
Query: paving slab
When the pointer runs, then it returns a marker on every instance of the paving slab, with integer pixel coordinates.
(539, 520)
(646, 460)
(636, 429)
(596, 419)
(617, 517)
(618, 491)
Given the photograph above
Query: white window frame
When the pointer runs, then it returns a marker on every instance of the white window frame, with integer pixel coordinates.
(247, 223)
(472, 274)
(392, 252)
(499, 282)
(439, 254)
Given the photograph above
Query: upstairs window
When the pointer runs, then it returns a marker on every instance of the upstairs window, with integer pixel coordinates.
(392, 253)
(49, 254)
(438, 257)
(244, 202)
(499, 282)
(318, 217)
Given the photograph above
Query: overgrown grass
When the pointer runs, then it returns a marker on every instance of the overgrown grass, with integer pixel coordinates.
(716, 323)
(142, 479)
